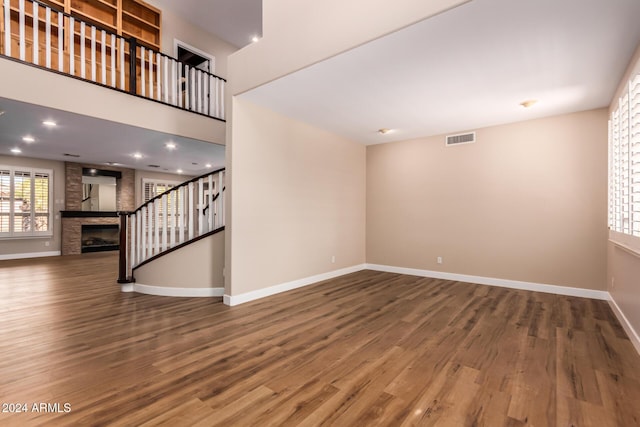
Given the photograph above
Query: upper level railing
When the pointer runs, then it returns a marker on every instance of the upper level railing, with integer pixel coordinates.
(44, 36)
(183, 213)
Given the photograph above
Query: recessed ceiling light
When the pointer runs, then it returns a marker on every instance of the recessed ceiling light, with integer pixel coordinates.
(112, 163)
(179, 171)
(50, 123)
(384, 131)
(170, 145)
(136, 155)
(16, 150)
(529, 103)
(1, 112)
(28, 138)
(208, 165)
(255, 39)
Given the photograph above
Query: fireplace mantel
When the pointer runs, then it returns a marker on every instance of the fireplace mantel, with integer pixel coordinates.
(88, 214)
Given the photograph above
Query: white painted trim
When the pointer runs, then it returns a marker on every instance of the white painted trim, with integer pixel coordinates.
(631, 332)
(514, 284)
(172, 292)
(29, 255)
(202, 53)
(288, 286)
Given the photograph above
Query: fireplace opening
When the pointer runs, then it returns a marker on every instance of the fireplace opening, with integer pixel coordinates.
(100, 237)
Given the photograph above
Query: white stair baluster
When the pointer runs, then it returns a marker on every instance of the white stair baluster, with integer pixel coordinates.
(143, 90)
(151, 84)
(181, 202)
(211, 209)
(47, 37)
(113, 60)
(132, 240)
(23, 47)
(165, 214)
(103, 59)
(7, 27)
(143, 240)
(192, 211)
(60, 41)
(156, 227)
(200, 210)
(174, 212)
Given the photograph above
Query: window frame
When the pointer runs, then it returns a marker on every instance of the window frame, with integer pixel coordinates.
(33, 172)
(624, 168)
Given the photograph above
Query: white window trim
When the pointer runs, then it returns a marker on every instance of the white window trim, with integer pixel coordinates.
(12, 235)
(620, 206)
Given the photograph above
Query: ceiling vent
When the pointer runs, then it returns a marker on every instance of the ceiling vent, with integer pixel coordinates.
(463, 138)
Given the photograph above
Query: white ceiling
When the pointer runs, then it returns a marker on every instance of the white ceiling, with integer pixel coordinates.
(100, 141)
(467, 68)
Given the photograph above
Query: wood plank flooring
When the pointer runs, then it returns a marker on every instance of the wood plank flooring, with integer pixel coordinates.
(365, 349)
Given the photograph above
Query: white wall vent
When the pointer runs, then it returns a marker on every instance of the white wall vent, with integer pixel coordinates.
(463, 138)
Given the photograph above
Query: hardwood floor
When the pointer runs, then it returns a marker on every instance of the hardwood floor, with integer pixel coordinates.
(365, 349)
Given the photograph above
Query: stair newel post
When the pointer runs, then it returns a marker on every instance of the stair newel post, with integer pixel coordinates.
(122, 260)
(133, 64)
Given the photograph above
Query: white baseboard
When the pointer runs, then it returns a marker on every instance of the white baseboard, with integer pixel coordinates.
(513, 284)
(288, 286)
(631, 332)
(172, 292)
(29, 255)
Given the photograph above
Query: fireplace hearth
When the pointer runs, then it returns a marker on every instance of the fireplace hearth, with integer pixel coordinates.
(99, 237)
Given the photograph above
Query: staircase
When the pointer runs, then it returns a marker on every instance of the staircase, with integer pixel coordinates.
(176, 218)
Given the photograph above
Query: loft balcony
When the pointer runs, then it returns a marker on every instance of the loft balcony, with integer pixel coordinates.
(44, 36)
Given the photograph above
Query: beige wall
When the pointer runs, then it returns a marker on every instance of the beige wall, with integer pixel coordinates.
(30, 84)
(526, 202)
(623, 272)
(298, 198)
(38, 244)
(197, 265)
(174, 27)
(321, 29)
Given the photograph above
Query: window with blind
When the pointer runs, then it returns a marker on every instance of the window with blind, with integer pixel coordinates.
(152, 188)
(624, 162)
(25, 202)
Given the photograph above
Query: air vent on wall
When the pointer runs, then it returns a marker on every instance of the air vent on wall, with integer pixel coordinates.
(463, 138)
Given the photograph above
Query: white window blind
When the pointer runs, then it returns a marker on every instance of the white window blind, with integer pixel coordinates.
(25, 202)
(152, 188)
(624, 162)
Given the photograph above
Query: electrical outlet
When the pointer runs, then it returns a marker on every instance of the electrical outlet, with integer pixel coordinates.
(439, 260)
(613, 283)
(333, 259)
(47, 243)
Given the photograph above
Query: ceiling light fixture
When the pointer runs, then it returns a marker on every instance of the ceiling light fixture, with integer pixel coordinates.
(28, 138)
(529, 103)
(50, 123)
(255, 39)
(384, 131)
(179, 171)
(16, 150)
(170, 145)
(208, 165)
(136, 155)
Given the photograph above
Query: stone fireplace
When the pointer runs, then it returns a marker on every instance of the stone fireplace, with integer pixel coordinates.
(76, 223)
